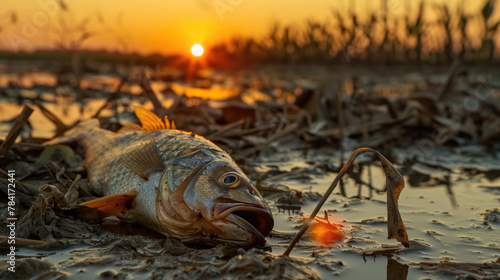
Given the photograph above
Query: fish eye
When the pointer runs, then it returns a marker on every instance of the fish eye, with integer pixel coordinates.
(230, 179)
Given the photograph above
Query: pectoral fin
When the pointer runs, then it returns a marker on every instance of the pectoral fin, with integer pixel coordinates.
(111, 204)
(144, 160)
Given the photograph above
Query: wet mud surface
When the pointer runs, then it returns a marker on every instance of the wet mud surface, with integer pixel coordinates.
(450, 205)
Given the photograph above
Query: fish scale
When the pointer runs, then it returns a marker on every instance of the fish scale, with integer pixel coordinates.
(174, 182)
(109, 176)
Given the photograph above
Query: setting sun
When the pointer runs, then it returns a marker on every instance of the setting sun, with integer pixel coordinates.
(197, 50)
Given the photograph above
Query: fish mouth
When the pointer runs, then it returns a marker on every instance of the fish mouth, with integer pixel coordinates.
(255, 219)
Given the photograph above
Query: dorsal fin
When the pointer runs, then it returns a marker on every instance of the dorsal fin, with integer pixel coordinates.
(168, 124)
(112, 204)
(130, 127)
(149, 120)
(144, 160)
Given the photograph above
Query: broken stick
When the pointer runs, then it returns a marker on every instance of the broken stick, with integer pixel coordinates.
(16, 129)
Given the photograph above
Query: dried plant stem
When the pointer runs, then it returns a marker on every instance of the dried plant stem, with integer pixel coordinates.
(340, 119)
(395, 225)
(148, 90)
(112, 97)
(294, 172)
(447, 86)
(60, 126)
(282, 133)
(226, 128)
(28, 242)
(16, 129)
(3, 174)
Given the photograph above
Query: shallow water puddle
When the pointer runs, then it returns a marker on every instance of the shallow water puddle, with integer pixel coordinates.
(438, 231)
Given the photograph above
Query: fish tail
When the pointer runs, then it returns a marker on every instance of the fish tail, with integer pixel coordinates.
(86, 133)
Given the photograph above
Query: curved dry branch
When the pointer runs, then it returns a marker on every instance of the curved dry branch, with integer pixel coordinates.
(395, 184)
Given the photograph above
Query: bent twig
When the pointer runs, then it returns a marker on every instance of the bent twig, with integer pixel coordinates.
(394, 183)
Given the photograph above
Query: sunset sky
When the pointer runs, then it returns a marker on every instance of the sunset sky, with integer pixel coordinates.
(168, 26)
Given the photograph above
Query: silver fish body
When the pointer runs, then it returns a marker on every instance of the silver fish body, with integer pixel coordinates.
(199, 195)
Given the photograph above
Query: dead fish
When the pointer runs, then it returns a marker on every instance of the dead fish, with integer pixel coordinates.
(174, 182)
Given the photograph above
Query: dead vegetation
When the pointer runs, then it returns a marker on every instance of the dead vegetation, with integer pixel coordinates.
(387, 32)
(337, 116)
(438, 124)
(429, 128)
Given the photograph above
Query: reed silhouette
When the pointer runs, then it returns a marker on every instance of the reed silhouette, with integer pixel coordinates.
(381, 38)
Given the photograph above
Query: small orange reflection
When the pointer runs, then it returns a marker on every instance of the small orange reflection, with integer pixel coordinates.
(214, 92)
(325, 232)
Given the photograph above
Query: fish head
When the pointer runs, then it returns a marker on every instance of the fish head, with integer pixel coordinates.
(208, 190)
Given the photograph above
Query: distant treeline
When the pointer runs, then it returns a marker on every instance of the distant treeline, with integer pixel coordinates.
(380, 38)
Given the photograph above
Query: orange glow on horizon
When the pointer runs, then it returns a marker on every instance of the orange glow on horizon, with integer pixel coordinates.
(170, 27)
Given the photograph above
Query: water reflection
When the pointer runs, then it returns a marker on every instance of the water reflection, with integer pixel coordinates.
(288, 208)
(396, 270)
